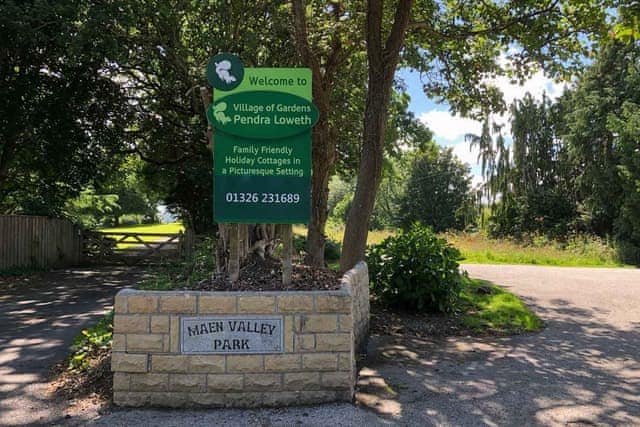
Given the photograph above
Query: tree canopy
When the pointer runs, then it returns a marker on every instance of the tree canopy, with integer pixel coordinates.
(438, 193)
(62, 119)
(86, 83)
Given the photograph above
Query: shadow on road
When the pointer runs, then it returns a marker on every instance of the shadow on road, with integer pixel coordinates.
(577, 370)
(40, 316)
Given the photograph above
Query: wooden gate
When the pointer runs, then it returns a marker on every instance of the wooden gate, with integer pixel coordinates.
(131, 248)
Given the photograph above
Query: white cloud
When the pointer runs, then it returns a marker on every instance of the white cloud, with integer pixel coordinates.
(449, 130)
(536, 85)
(463, 151)
(476, 180)
(448, 127)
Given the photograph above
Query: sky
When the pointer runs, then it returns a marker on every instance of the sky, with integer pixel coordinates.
(449, 130)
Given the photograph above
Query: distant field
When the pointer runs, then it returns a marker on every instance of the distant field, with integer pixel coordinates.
(336, 234)
(476, 248)
(172, 228)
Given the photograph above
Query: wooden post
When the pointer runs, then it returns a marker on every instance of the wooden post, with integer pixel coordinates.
(234, 253)
(287, 243)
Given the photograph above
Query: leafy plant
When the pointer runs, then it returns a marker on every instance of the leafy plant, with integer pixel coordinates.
(438, 192)
(331, 248)
(89, 341)
(415, 270)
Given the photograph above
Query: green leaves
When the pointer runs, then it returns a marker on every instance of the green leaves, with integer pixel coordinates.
(62, 120)
(460, 45)
(415, 270)
(90, 341)
(437, 193)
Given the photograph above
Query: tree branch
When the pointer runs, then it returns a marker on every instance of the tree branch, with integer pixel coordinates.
(374, 35)
(301, 39)
(462, 33)
(396, 37)
(335, 58)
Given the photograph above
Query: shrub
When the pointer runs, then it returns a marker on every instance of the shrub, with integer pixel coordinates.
(415, 270)
(628, 252)
(332, 249)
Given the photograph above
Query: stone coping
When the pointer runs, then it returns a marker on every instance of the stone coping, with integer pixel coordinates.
(344, 290)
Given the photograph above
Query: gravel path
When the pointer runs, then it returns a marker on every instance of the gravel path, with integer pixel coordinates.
(39, 317)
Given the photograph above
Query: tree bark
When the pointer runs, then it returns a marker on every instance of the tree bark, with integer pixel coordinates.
(383, 59)
(323, 138)
(323, 158)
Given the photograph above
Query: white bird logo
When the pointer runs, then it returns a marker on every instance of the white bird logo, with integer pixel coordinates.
(223, 69)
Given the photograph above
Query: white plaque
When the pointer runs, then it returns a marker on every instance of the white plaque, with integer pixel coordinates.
(231, 334)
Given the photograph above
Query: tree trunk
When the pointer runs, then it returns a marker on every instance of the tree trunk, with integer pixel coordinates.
(323, 143)
(323, 158)
(383, 59)
(357, 227)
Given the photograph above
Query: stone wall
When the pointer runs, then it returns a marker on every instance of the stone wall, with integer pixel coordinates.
(357, 281)
(321, 330)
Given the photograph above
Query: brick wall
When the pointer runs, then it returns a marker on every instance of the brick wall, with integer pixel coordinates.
(322, 330)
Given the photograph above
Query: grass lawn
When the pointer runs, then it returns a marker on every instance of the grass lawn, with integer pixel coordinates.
(489, 308)
(174, 227)
(476, 248)
(336, 234)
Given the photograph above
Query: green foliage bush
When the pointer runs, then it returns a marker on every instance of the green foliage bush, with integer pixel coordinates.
(332, 249)
(438, 193)
(628, 252)
(416, 270)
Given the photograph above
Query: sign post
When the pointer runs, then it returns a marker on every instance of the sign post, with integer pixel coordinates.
(262, 152)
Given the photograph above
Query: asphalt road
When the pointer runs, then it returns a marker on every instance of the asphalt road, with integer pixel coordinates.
(582, 369)
(39, 318)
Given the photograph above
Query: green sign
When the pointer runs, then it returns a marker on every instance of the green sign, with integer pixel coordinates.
(263, 114)
(262, 145)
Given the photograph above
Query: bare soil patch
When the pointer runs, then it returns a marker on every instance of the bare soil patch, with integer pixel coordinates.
(258, 274)
(394, 322)
(88, 389)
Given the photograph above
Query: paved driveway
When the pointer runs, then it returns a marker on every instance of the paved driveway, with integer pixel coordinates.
(39, 318)
(583, 369)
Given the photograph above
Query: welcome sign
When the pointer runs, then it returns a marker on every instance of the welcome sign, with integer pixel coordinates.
(262, 151)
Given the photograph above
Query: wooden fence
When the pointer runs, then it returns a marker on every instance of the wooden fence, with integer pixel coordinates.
(37, 241)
